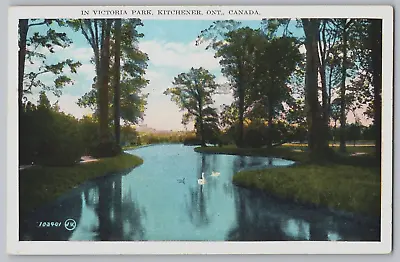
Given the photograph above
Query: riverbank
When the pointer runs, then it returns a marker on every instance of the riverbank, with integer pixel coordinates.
(40, 185)
(348, 182)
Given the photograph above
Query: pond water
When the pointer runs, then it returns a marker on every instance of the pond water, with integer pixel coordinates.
(162, 200)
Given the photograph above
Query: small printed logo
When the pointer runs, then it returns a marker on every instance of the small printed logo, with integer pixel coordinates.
(70, 224)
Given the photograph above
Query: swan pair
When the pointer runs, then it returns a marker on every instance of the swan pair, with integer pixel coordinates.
(213, 173)
(202, 180)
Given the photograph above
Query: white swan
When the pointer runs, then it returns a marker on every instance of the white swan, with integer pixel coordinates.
(202, 180)
(213, 173)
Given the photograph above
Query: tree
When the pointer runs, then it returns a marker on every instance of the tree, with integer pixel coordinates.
(276, 60)
(366, 41)
(236, 49)
(29, 49)
(133, 66)
(375, 34)
(117, 87)
(318, 131)
(104, 82)
(317, 127)
(229, 115)
(344, 25)
(354, 132)
(192, 92)
(328, 63)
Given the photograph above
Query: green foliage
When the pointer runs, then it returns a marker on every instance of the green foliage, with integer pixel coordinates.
(275, 63)
(354, 132)
(255, 138)
(129, 136)
(134, 64)
(89, 130)
(258, 66)
(229, 115)
(49, 137)
(50, 40)
(192, 92)
(170, 137)
(62, 144)
(107, 148)
(354, 189)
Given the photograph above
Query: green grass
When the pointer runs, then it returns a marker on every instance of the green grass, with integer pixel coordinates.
(130, 147)
(293, 153)
(40, 185)
(343, 182)
(340, 187)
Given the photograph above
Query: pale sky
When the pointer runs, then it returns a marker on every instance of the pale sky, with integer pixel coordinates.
(171, 50)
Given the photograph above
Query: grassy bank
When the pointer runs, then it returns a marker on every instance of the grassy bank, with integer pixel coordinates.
(344, 182)
(40, 185)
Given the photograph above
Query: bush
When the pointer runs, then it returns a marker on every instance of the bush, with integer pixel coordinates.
(192, 141)
(106, 149)
(129, 136)
(89, 131)
(254, 138)
(61, 143)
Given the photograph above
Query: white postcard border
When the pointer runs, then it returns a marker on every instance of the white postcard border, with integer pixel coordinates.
(14, 246)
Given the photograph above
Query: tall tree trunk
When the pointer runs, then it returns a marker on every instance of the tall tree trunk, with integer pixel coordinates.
(343, 91)
(325, 105)
(334, 133)
(317, 137)
(241, 94)
(330, 93)
(201, 124)
(104, 81)
(117, 114)
(376, 46)
(270, 124)
(322, 72)
(23, 32)
(241, 118)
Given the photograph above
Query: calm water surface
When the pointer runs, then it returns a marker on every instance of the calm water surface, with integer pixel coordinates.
(151, 202)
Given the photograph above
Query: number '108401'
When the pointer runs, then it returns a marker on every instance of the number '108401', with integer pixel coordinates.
(49, 224)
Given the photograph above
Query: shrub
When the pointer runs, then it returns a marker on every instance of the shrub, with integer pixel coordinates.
(129, 136)
(106, 148)
(254, 138)
(192, 141)
(89, 131)
(61, 143)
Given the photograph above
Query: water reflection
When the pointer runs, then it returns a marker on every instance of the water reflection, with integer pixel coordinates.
(197, 210)
(118, 216)
(261, 218)
(148, 203)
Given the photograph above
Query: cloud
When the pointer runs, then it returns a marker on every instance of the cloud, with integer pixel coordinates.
(179, 55)
(68, 104)
(159, 82)
(87, 71)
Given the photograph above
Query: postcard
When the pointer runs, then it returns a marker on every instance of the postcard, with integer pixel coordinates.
(200, 130)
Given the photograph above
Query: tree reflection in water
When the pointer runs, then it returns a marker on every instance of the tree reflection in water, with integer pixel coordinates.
(196, 206)
(255, 223)
(260, 218)
(120, 219)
